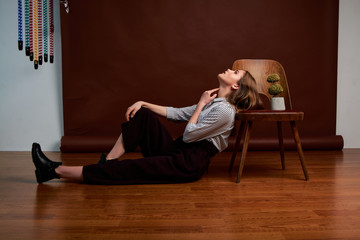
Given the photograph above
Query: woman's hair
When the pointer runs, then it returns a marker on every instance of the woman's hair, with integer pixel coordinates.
(246, 96)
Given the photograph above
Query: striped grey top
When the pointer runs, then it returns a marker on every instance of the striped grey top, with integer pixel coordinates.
(214, 124)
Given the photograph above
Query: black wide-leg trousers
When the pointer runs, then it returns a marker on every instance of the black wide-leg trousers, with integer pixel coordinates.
(164, 160)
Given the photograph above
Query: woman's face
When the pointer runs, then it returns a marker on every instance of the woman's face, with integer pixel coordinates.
(230, 77)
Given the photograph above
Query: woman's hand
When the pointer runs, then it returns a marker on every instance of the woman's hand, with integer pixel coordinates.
(208, 96)
(205, 98)
(131, 111)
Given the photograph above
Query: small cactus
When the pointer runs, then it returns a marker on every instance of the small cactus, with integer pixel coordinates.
(273, 78)
(275, 88)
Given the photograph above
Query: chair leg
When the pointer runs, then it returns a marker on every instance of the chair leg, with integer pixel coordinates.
(237, 144)
(244, 150)
(281, 144)
(299, 148)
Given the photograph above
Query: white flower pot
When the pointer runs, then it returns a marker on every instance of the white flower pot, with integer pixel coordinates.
(277, 103)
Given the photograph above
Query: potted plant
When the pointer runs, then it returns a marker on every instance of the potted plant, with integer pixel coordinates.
(276, 103)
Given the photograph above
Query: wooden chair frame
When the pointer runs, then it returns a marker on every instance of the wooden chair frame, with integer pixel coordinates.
(260, 69)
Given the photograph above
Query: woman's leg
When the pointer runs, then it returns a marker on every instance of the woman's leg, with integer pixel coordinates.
(141, 131)
(118, 149)
(185, 162)
(70, 172)
(47, 169)
(146, 131)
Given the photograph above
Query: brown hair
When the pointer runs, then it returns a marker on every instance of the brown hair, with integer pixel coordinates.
(246, 96)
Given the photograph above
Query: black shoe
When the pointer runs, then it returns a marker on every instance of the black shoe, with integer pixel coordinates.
(102, 159)
(45, 168)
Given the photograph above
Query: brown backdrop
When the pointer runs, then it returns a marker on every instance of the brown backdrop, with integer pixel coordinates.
(169, 51)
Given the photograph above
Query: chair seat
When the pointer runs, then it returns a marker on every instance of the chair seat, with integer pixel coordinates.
(270, 115)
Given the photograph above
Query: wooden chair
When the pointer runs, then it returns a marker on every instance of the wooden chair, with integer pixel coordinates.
(260, 69)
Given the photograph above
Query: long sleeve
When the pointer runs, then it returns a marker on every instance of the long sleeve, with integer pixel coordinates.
(214, 124)
(210, 125)
(180, 114)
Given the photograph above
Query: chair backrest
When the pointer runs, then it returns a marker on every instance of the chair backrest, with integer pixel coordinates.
(260, 69)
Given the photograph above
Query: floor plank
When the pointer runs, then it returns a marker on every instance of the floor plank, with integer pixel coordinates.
(268, 203)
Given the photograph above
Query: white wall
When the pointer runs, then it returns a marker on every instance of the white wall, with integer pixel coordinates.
(348, 97)
(31, 105)
(30, 100)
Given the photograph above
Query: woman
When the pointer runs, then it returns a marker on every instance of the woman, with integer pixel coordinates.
(209, 126)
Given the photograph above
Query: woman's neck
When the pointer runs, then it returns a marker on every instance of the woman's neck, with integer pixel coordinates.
(223, 92)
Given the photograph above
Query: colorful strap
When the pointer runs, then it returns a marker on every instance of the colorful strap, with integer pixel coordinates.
(20, 38)
(40, 31)
(51, 22)
(35, 19)
(45, 28)
(31, 30)
(27, 33)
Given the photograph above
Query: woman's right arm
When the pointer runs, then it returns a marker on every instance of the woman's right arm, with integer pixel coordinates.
(131, 111)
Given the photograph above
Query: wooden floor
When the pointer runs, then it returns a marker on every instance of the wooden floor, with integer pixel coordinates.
(269, 203)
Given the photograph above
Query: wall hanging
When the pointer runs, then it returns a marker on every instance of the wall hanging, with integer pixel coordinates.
(39, 29)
